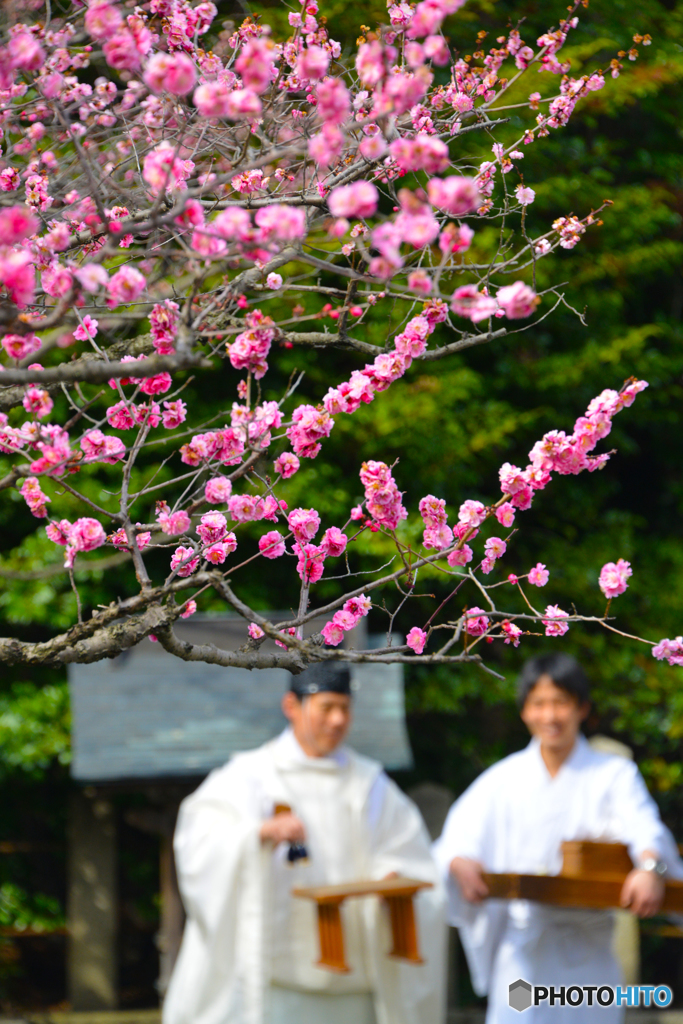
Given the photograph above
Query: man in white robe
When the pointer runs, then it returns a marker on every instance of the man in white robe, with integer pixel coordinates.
(249, 950)
(514, 818)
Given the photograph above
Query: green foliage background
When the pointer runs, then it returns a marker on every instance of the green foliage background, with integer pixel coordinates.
(452, 424)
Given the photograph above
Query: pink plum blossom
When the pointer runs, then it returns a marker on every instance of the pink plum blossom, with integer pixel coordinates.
(505, 514)
(554, 626)
(91, 277)
(310, 564)
(525, 196)
(16, 224)
(613, 578)
(102, 20)
(184, 555)
(455, 238)
(333, 542)
(87, 329)
(218, 552)
(256, 64)
(286, 465)
(416, 639)
(456, 195)
(126, 285)
(313, 63)
(477, 621)
(357, 200)
(18, 346)
(286, 632)
(170, 72)
(218, 489)
(173, 522)
(34, 497)
(174, 414)
(512, 632)
(460, 556)
(539, 575)
(272, 544)
(468, 301)
(495, 547)
(382, 497)
(439, 536)
(99, 447)
(669, 650)
(25, 51)
(38, 402)
(419, 281)
(309, 427)
(334, 102)
(158, 384)
(286, 223)
(472, 513)
(18, 276)
(120, 540)
(517, 300)
(59, 532)
(358, 606)
(120, 417)
(212, 527)
(163, 169)
(86, 534)
(373, 147)
(304, 523)
(333, 633)
(245, 508)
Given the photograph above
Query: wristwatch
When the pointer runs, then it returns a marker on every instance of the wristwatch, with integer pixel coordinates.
(653, 864)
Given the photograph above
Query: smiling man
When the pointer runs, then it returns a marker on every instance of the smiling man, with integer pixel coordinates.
(515, 817)
(302, 810)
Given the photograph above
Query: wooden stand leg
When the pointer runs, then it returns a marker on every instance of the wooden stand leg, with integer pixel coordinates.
(403, 932)
(331, 938)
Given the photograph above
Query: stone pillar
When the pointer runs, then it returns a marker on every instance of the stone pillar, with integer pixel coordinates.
(92, 962)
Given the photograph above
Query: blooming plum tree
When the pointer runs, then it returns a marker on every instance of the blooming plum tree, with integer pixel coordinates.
(150, 180)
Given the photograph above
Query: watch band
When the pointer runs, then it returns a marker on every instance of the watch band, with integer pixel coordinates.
(653, 864)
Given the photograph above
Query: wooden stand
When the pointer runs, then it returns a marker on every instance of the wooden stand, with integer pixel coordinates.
(398, 892)
(592, 876)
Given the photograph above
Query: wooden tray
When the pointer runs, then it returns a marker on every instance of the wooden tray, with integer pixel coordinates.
(592, 876)
(398, 892)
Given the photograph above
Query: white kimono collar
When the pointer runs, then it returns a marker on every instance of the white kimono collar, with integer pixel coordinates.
(575, 759)
(289, 755)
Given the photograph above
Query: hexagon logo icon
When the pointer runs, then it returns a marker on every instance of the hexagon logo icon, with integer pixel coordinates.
(519, 995)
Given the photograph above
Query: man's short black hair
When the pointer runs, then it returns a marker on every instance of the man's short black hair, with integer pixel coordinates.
(323, 676)
(564, 671)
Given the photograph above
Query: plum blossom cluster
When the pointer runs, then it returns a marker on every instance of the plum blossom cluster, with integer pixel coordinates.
(383, 500)
(85, 534)
(304, 525)
(345, 619)
(613, 577)
(259, 176)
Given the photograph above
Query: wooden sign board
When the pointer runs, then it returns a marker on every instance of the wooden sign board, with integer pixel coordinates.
(398, 892)
(592, 876)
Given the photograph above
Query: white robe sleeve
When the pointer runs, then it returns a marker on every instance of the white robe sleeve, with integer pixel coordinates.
(469, 831)
(219, 973)
(637, 817)
(405, 993)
